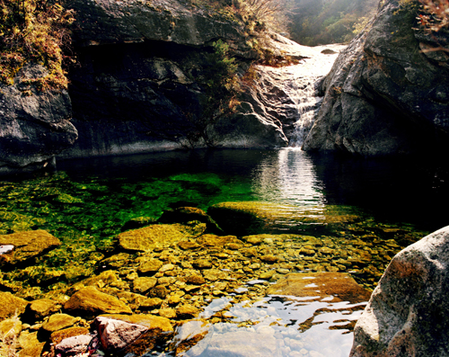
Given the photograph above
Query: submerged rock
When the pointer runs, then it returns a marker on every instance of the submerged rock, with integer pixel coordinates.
(407, 314)
(244, 218)
(156, 236)
(339, 286)
(27, 245)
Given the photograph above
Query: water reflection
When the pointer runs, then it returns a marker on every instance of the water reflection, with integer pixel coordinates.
(288, 177)
(274, 326)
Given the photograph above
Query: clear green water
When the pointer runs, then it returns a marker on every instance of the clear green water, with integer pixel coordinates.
(85, 203)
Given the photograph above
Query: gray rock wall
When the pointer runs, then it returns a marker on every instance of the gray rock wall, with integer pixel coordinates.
(384, 95)
(34, 126)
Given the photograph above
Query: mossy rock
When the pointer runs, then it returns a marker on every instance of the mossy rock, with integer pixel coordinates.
(27, 245)
(156, 236)
(251, 217)
(58, 336)
(89, 301)
(11, 305)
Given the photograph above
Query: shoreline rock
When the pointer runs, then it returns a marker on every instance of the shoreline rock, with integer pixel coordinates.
(407, 314)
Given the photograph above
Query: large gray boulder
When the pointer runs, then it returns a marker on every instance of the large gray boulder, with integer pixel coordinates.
(408, 314)
(34, 125)
(388, 92)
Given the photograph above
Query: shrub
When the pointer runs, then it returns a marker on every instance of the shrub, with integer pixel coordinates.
(34, 31)
(435, 15)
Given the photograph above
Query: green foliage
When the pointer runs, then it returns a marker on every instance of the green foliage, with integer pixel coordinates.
(34, 31)
(317, 22)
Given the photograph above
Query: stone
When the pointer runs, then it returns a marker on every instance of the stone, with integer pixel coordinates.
(381, 94)
(74, 345)
(407, 314)
(150, 266)
(116, 334)
(195, 279)
(214, 275)
(30, 344)
(154, 236)
(27, 245)
(11, 305)
(202, 264)
(58, 322)
(10, 327)
(57, 336)
(186, 311)
(158, 292)
(143, 284)
(151, 303)
(41, 308)
(168, 313)
(339, 286)
(89, 301)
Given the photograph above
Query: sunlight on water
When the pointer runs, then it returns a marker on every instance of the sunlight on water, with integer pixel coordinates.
(288, 177)
(275, 326)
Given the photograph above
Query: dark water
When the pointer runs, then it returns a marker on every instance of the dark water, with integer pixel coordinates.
(86, 202)
(401, 190)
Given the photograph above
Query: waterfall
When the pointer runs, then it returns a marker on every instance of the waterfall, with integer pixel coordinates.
(305, 95)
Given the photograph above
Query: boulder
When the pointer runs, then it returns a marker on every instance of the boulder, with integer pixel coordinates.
(34, 125)
(385, 95)
(159, 330)
(41, 308)
(117, 334)
(407, 314)
(89, 301)
(27, 245)
(154, 236)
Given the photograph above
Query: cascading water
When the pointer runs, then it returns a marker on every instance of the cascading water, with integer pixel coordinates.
(289, 96)
(306, 77)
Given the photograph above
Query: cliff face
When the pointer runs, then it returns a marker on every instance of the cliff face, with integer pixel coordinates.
(34, 125)
(388, 92)
(136, 88)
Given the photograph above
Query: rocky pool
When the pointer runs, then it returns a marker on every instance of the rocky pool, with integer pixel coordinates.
(222, 279)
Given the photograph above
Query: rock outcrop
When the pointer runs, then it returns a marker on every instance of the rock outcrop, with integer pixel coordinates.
(387, 93)
(34, 125)
(407, 314)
